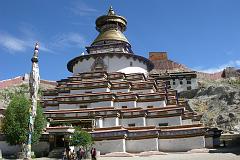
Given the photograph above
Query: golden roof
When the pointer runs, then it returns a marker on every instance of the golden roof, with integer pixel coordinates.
(112, 34)
(107, 30)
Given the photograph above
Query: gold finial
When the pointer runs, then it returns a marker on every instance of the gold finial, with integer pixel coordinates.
(111, 11)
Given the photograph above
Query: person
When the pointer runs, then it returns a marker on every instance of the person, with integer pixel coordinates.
(93, 154)
(64, 154)
(81, 153)
(72, 156)
(68, 151)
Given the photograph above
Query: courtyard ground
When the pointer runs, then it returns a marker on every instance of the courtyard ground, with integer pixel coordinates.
(176, 156)
(215, 154)
(232, 153)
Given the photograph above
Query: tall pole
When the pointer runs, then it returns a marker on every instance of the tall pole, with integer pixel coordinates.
(34, 81)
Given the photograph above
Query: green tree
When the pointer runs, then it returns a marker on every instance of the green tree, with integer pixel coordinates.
(82, 139)
(15, 122)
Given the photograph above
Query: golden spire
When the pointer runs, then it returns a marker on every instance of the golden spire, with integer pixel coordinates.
(111, 11)
(111, 27)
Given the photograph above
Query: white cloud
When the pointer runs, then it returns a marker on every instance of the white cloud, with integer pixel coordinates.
(233, 63)
(14, 44)
(69, 40)
(11, 43)
(82, 9)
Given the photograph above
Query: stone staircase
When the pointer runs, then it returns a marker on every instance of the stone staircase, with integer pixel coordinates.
(56, 153)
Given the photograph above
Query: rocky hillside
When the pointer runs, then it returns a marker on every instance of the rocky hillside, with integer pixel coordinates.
(218, 101)
(11, 87)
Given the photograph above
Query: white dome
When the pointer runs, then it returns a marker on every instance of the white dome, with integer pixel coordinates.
(129, 70)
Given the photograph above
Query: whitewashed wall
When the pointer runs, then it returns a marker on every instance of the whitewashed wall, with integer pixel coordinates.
(139, 121)
(154, 103)
(119, 90)
(181, 144)
(172, 121)
(143, 91)
(114, 64)
(95, 90)
(101, 104)
(47, 108)
(183, 87)
(89, 105)
(111, 122)
(68, 106)
(84, 66)
(40, 148)
(99, 123)
(142, 145)
(129, 104)
(107, 146)
(187, 121)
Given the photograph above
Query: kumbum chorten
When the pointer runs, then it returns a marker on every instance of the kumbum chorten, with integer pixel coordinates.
(111, 95)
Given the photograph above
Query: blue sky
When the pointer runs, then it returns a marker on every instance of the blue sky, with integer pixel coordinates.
(202, 34)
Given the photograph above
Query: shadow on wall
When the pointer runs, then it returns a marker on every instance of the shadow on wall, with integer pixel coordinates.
(231, 146)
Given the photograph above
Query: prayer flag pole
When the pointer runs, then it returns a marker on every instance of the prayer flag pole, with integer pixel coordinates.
(34, 81)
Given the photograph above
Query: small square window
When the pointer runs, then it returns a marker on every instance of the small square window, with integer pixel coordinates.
(188, 82)
(173, 83)
(181, 82)
(189, 88)
(131, 125)
(168, 82)
(88, 91)
(149, 106)
(83, 106)
(162, 124)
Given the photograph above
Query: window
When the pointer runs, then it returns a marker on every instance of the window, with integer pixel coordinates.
(124, 107)
(88, 91)
(189, 88)
(131, 125)
(131, 63)
(181, 82)
(162, 124)
(188, 82)
(173, 83)
(168, 82)
(149, 106)
(83, 106)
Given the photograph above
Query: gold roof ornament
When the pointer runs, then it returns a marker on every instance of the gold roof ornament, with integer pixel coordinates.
(111, 11)
(111, 27)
